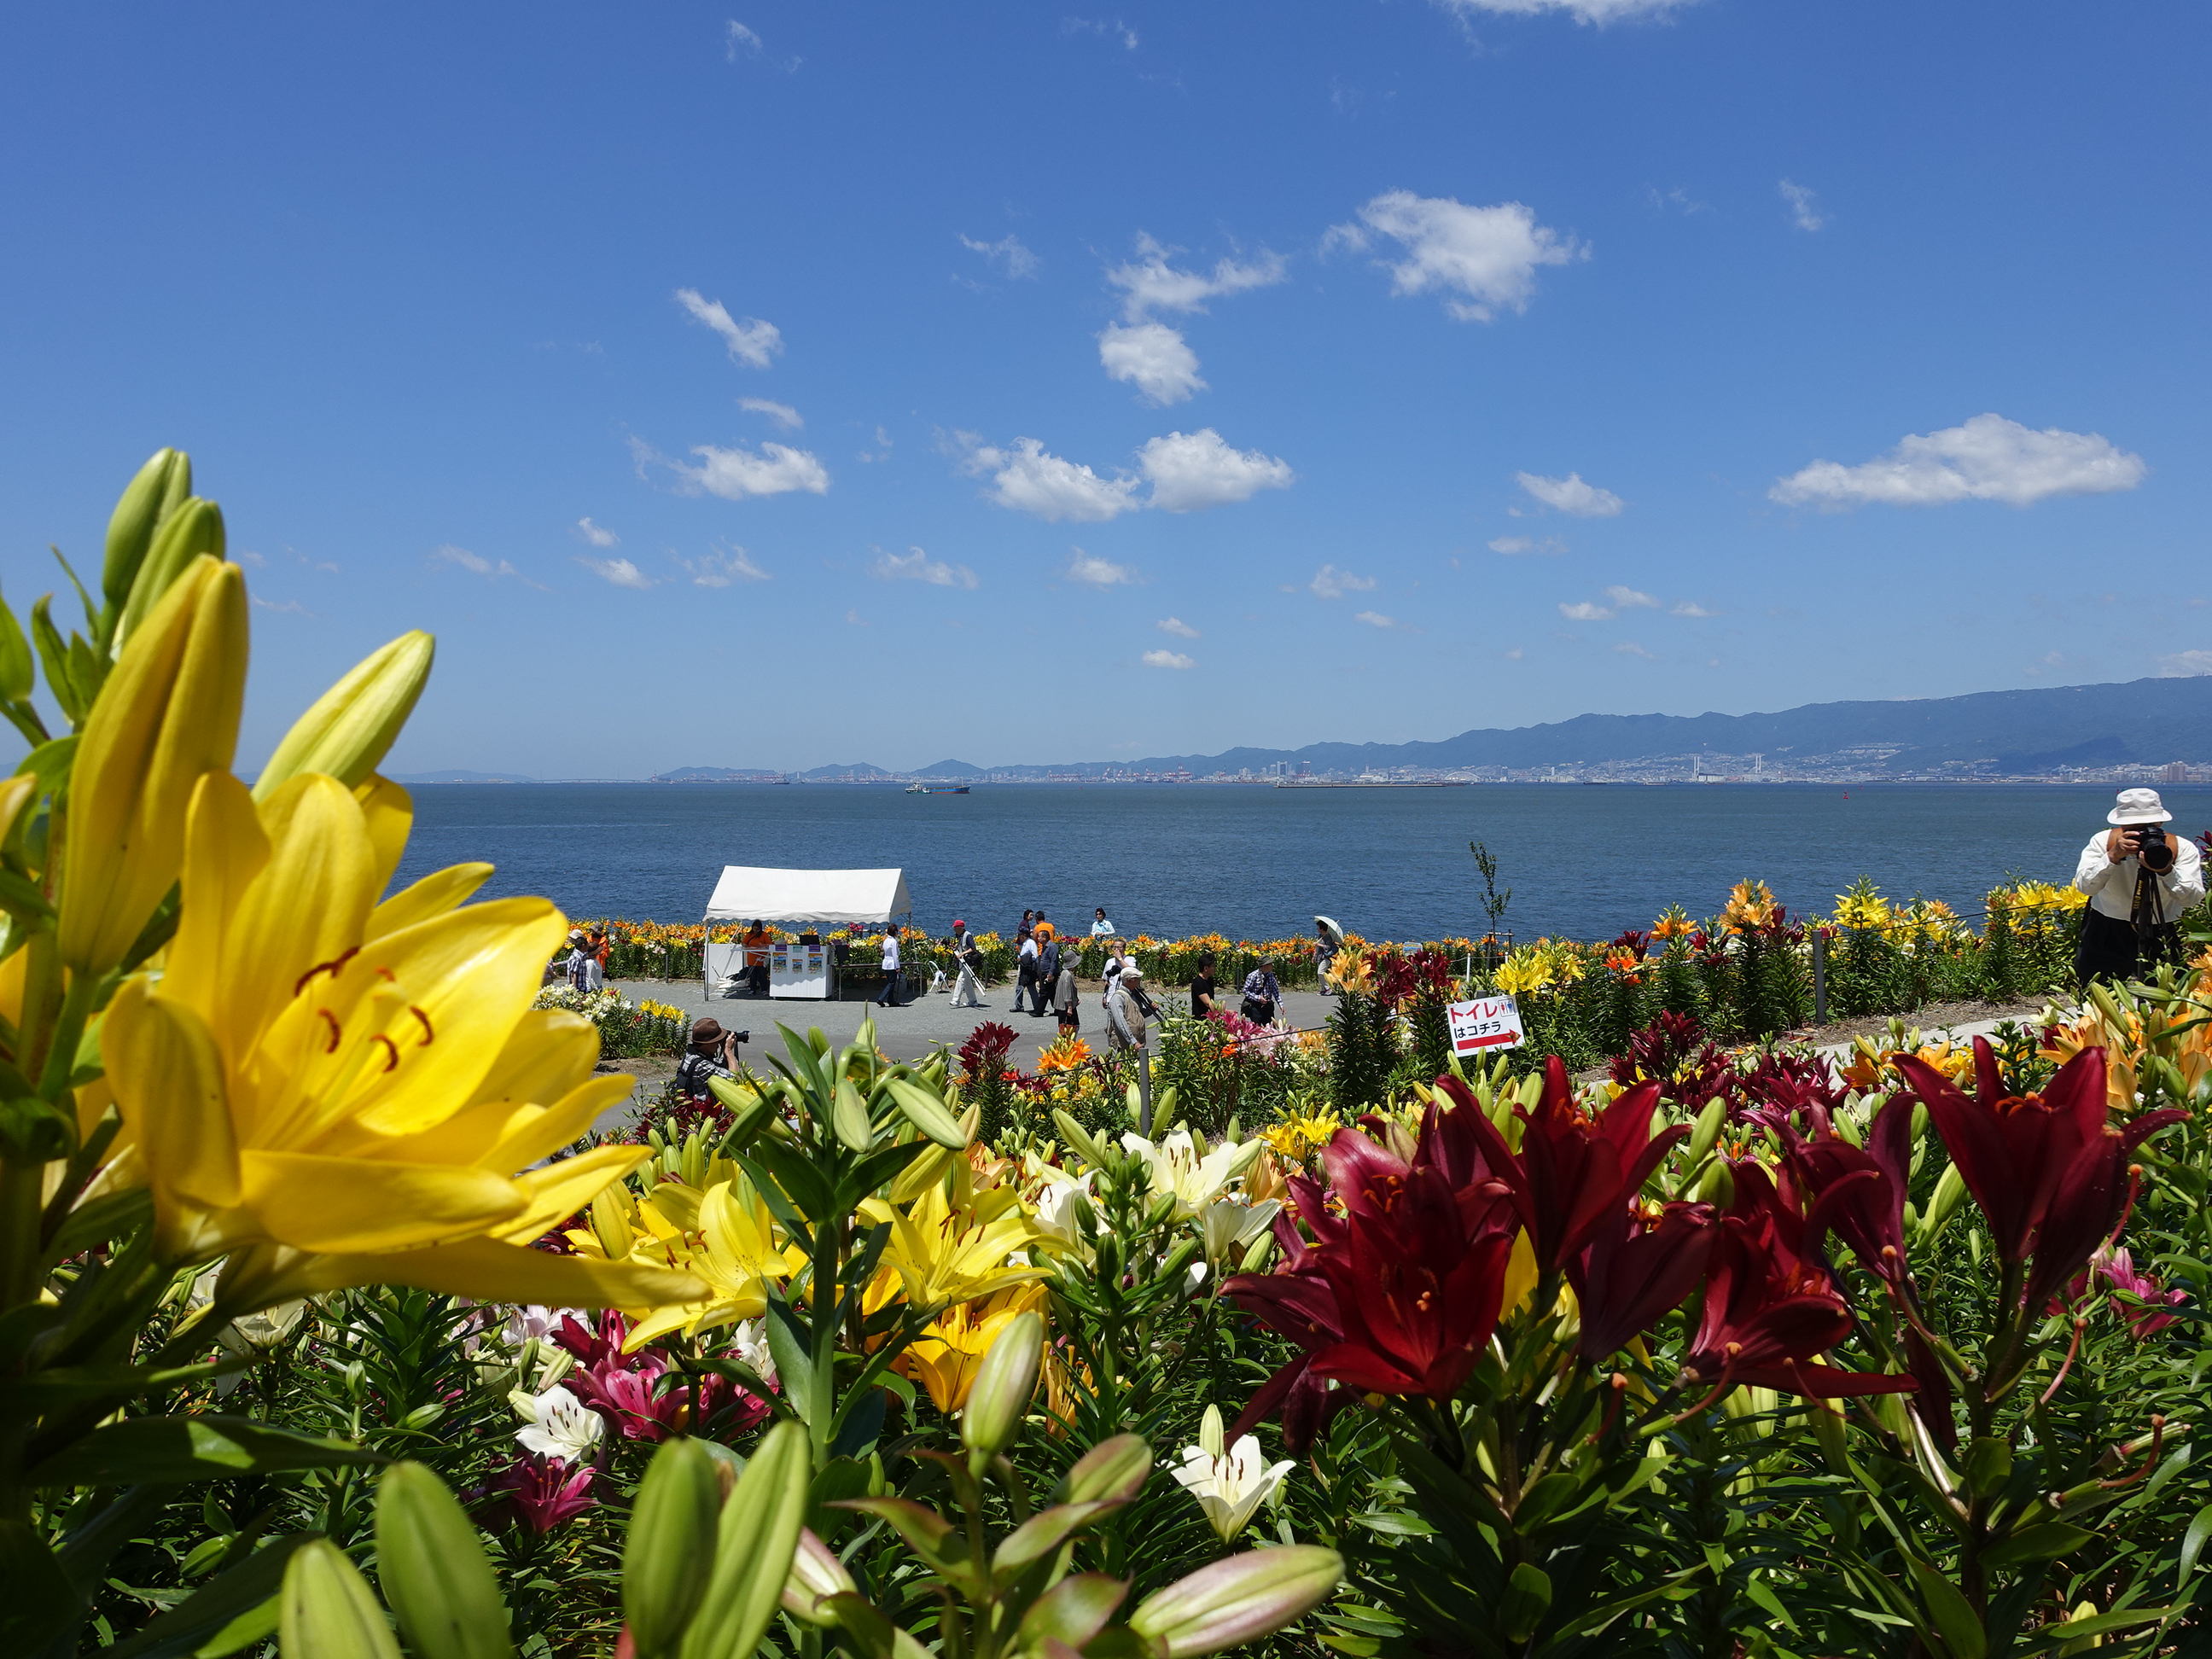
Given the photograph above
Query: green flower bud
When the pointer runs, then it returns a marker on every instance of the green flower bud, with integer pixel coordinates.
(1004, 1382)
(161, 485)
(669, 1552)
(817, 1574)
(1239, 1600)
(1950, 1193)
(326, 1609)
(434, 1571)
(755, 1541)
(194, 527)
(353, 726)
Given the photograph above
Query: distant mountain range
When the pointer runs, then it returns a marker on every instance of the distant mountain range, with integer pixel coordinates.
(2040, 731)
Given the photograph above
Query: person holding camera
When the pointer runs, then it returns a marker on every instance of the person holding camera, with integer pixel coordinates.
(712, 1053)
(2139, 880)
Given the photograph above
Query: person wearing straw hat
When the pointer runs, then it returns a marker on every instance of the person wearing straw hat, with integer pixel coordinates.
(2139, 879)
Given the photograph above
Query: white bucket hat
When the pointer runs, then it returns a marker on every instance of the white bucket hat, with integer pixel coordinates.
(2139, 807)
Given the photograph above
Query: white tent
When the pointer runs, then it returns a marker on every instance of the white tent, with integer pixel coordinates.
(831, 897)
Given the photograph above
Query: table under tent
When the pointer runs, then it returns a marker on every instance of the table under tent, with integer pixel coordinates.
(810, 899)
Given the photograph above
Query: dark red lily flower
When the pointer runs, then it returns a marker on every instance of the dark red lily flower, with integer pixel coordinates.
(1302, 1306)
(2049, 1170)
(1780, 1086)
(1771, 1306)
(1676, 1052)
(1868, 1212)
(1424, 973)
(1575, 1172)
(538, 1493)
(1633, 1275)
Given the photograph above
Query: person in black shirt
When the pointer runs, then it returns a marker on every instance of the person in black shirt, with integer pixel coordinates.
(1201, 988)
(712, 1053)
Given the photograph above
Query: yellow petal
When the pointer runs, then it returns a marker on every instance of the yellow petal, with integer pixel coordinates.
(435, 894)
(489, 1272)
(549, 1052)
(535, 1132)
(302, 914)
(342, 1204)
(390, 812)
(559, 1190)
(167, 715)
(167, 1071)
(225, 848)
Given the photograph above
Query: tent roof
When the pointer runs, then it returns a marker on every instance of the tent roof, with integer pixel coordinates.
(834, 897)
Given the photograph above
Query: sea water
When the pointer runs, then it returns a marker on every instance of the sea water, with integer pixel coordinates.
(1253, 862)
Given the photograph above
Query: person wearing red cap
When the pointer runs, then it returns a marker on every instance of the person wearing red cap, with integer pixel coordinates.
(968, 993)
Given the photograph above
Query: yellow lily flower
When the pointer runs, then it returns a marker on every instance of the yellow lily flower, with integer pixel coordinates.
(334, 1091)
(736, 1256)
(945, 1358)
(945, 1253)
(167, 716)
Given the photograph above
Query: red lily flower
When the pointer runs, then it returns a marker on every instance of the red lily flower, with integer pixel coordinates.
(1576, 1173)
(1868, 1213)
(2049, 1170)
(538, 1492)
(1632, 1275)
(1771, 1306)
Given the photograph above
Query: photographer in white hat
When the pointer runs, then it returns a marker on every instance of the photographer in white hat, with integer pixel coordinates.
(2139, 880)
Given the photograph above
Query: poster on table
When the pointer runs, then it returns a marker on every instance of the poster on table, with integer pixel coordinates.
(1483, 1023)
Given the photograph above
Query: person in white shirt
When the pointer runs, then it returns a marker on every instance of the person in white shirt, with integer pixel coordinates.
(889, 998)
(1102, 929)
(969, 992)
(2139, 879)
(582, 967)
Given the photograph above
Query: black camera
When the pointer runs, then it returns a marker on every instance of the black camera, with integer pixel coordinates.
(2150, 846)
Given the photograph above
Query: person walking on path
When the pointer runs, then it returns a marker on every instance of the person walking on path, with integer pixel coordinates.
(1026, 982)
(968, 993)
(2139, 880)
(1332, 941)
(1125, 1009)
(1064, 999)
(585, 973)
(1202, 988)
(1102, 929)
(1115, 962)
(1047, 963)
(1045, 931)
(889, 998)
(1263, 998)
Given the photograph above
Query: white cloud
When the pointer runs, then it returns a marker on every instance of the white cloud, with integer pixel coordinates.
(621, 572)
(1627, 598)
(1584, 611)
(1600, 12)
(1168, 660)
(1092, 571)
(1487, 254)
(1630, 648)
(1802, 211)
(1690, 608)
(1045, 486)
(2185, 665)
(282, 607)
(1106, 28)
(1149, 283)
(735, 474)
(1153, 358)
(1192, 473)
(739, 42)
(1330, 583)
(1513, 546)
(720, 569)
(598, 535)
(915, 566)
(1376, 619)
(782, 414)
(751, 342)
(1989, 458)
(1020, 261)
(1572, 496)
(477, 565)
(855, 619)
(1177, 626)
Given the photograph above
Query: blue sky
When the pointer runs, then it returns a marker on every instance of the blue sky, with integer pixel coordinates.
(798, 383)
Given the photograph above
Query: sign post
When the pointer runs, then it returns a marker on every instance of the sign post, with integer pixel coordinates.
(1482, 1023)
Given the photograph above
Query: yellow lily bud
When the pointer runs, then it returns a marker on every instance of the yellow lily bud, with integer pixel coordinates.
(194, 527)
(327, 1608)
(1004, 1383)
(159, 489)
(166, 715)
(353, 724)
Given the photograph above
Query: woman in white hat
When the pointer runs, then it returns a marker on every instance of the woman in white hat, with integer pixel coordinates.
(2139, 880)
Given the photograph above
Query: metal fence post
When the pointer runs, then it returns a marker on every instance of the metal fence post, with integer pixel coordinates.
(1144, 1092)
(1819, 977)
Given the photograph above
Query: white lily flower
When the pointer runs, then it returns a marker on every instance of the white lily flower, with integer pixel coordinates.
(534, 1324)
(1230, 1224)
(1054, 1213)
(749, 1345)
(1231, 1484)
(562, 1428)
(1177, 1167)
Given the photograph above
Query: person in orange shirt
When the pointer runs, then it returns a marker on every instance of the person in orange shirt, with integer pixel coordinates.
(756, 945)
(1044, 930)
